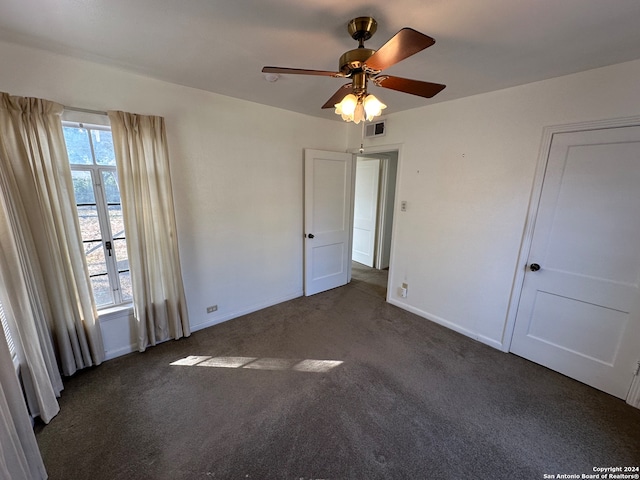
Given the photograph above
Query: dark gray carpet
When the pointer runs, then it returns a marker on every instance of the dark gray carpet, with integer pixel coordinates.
(412, 400)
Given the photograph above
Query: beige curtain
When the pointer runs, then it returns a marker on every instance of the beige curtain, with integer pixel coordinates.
(19, 455)
(145, 187)
(46, 276)
(44, 281)
(19, 297)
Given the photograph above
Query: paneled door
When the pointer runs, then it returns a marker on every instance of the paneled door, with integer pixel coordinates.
(579, 308)
(365, 214)
(328, 205)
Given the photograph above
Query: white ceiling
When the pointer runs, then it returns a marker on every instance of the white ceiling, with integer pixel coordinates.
(221, 45)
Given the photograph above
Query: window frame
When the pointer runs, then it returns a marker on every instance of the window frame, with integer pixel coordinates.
(96, 172)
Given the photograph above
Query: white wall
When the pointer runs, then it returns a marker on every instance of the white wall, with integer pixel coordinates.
(236, 172)
(466, 170)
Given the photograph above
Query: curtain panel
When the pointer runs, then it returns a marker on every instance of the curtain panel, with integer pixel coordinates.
(44, 279)
(30, 332)
(20, 458)
(142, 160)
(44, 274)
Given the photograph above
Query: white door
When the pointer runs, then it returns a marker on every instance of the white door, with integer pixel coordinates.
(328, 186)
(579, 312)
(365, 212)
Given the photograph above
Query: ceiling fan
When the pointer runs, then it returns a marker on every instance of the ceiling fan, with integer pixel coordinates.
(363, 64)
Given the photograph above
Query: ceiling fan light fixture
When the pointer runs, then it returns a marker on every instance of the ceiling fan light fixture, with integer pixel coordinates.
(356, 109)
(347, 107)
(373, 107)
(358, 115)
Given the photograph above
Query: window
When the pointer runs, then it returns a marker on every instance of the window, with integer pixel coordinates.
(7, 332)
(95, 184)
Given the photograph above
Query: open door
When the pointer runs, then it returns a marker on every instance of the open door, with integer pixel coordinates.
(328, 200)
(365, 216)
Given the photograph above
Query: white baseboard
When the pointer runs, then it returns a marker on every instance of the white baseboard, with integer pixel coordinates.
(118, 331)
(118, 352)
(445, 323)
(244, 311)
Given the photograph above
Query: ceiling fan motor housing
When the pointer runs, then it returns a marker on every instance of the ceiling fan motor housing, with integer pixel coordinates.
(353, 60)
(362, 28)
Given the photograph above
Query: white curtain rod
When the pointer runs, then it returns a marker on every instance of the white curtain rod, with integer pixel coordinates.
(85, 110)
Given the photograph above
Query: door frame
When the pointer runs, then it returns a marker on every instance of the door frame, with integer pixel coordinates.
(382, 210)
(548, 132)
(371, 150)
(384, 218)
(386, 208)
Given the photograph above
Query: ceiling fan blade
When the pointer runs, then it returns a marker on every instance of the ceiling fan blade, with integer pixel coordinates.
(406, 85)
(402, 45)
(300, 71)
(339, 95)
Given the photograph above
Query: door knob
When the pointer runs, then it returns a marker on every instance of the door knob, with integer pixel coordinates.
(310, 235)
(534, 267)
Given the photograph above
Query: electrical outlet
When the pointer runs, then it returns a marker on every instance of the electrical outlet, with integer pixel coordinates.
(403, 290)
(212, 308)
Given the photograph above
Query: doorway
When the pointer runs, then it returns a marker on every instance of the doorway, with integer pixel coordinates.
(374, 199)
(370, 280)
(329, 181)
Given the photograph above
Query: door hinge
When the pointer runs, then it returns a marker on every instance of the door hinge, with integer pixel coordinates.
(637, 372)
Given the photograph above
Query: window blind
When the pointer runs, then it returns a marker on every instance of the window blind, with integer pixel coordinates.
(7, 332)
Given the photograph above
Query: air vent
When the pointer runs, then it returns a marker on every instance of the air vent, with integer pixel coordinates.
(375, 129)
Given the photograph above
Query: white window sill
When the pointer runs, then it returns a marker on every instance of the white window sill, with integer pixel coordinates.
(108, 313)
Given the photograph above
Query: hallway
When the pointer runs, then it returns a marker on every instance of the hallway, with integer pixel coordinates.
(369, 280)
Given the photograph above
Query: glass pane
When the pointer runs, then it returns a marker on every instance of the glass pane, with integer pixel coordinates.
(83, 186)
(89, 225)
(78, 147)
(110, 182)
(125, 286)
(101, 290)
(95, 258)
(116, 220)
(103, 147)
(120, 247)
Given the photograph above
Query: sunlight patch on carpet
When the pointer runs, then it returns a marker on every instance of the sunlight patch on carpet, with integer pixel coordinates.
(191, 360)
(227, 362)
(272, 364)
(255, 363)
(316, 365)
